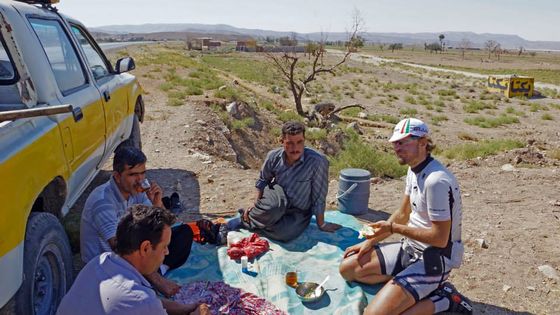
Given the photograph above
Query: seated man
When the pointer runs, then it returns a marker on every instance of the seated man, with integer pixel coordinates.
(430, 221)
(108, 202)
(292, 187)
(114, 283)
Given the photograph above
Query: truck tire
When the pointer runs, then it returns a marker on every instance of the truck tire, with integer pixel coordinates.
(47, 266)
(135, 139)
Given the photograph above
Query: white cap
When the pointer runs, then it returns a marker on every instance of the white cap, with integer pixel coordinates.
(409, 127)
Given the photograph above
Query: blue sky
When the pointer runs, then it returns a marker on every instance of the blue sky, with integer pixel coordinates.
(532, 20)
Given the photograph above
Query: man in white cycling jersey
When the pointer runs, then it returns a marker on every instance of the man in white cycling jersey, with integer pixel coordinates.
(429, 220)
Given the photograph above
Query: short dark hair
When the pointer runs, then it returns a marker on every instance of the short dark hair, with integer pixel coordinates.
(141, 223)
(292, 128)
(127, 155)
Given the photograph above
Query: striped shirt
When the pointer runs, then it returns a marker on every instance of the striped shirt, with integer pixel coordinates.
(305, 182)
(102, 211)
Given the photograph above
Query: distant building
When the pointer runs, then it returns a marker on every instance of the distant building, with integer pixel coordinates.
(200, 43)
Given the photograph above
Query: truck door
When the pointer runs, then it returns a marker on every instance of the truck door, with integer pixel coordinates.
(84, 139)
(110, 85)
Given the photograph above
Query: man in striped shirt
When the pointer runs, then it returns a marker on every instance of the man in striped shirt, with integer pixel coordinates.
(292, 187)
(108, 203)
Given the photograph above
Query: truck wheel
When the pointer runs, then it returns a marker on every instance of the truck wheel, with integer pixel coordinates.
(134, 140)
(47, 266)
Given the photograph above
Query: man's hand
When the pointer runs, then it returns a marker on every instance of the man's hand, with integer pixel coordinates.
(202, 309)
(359, 249)
(246, 213)
(155, 193)
(329, 227)
(382, 228)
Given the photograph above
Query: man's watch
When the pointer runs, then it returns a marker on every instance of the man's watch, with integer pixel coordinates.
(322, 226)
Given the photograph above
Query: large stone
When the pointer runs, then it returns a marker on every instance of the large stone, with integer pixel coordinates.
(549, 272)
(354, 126)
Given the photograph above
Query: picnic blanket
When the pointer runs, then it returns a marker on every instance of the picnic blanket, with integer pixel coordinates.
(314, 254)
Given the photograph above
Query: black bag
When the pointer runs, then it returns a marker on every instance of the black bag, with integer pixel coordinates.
(433, 261)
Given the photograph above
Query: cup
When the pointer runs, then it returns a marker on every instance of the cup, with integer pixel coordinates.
(291, 279)
(144, 186)
(244, 263)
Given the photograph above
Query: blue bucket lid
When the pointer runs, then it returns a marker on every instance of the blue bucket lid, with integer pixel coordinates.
(355, 174)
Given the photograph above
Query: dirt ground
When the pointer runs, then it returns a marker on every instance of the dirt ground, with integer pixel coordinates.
(514, 211)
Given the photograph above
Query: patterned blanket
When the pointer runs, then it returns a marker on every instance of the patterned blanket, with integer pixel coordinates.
(314, 254)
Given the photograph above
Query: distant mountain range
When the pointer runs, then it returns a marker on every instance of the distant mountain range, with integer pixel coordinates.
(451, 38)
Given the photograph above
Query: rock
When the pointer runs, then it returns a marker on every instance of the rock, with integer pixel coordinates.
(201, 122)
(276, 89)
(549, 272)
(508, 168)
(362, 115)
(466, 195)
(313, 129)
(210, 178)
(232, 108)
(354, 126)
(506, 288)
(376, 180)
(531, 288)
(222, 87)
(157, 151)
(517, 159)
(481, 242)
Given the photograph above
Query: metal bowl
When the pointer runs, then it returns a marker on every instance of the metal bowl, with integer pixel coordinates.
(306, 291)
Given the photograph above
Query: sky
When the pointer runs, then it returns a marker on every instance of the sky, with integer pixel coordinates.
(532, 20)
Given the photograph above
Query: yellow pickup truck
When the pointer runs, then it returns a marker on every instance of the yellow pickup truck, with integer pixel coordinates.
(64, 109)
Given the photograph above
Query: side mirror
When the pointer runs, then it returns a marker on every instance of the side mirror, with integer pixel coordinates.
(125, 64)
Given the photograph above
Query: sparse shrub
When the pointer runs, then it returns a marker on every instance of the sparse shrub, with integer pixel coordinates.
(408, 112)
(490, 122)
(537, 107)
(242, 123)
(547, 116)
(436, 120)
(315, 135)
(383, 117)
(175, 102)
(229, 93)
(289, 115)
(358, 154)
(447, 93)
(554, 154)
(353, 112)
(466, 136)
(482, 148)
(409, 99)
(476, 106)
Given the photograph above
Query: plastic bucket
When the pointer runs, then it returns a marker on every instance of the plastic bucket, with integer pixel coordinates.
(353, 191)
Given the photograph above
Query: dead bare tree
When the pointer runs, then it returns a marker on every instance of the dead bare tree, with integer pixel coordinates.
(465, 45)
(298, 77)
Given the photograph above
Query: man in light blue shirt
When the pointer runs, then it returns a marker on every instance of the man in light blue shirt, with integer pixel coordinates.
(292, 187)
(114, 283)
(108, 202)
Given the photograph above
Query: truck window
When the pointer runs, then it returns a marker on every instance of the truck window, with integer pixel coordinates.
(62, 57)
(96, 61)
(7, 74)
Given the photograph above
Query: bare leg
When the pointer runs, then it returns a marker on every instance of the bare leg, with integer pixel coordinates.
(162, 285)
(391, 299)
(425, 306)
(366, 270)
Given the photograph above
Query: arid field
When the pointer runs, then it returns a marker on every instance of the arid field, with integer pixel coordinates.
(505, 152)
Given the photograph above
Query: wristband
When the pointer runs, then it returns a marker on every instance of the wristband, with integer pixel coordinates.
(391, 227)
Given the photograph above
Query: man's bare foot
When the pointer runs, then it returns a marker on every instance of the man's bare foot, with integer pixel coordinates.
(165, 286)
